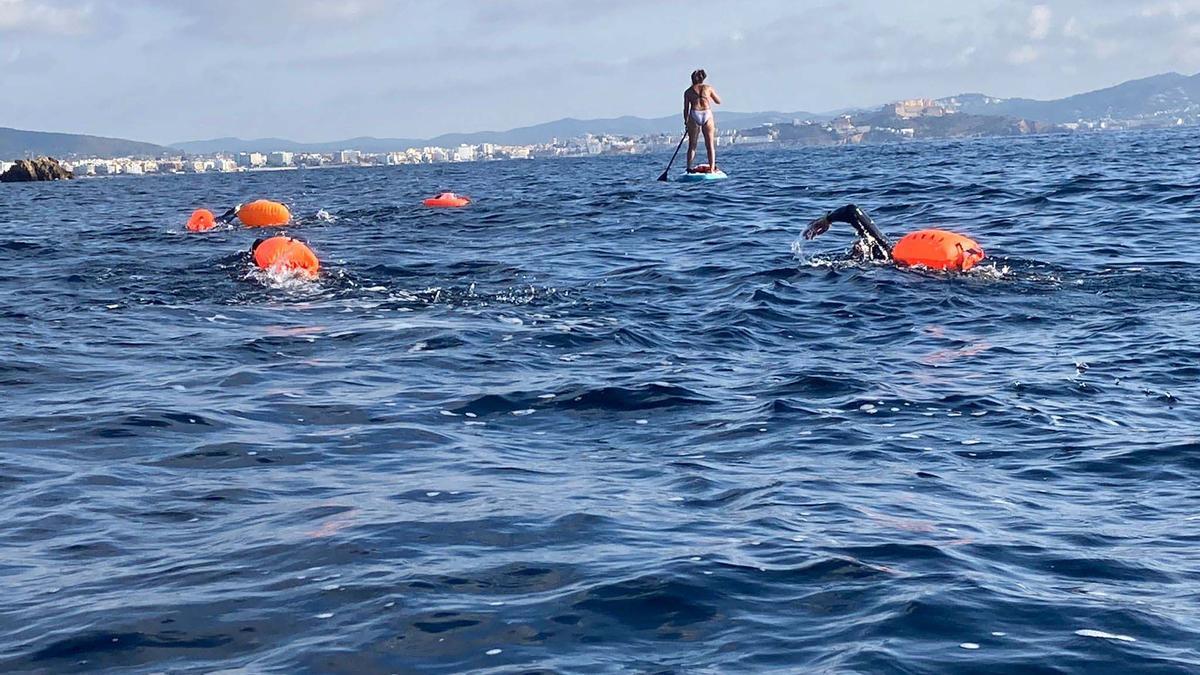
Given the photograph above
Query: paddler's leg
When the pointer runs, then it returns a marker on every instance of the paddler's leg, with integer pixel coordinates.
(693, 132)
(710, 142)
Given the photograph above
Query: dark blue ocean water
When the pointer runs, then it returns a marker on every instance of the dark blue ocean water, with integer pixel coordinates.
(596, 423)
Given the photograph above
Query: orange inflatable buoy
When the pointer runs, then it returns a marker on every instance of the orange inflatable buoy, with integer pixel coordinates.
(447, 200)
(263, 213)
(938, 250)
(201, 220)
(701, 168)
(285, 254)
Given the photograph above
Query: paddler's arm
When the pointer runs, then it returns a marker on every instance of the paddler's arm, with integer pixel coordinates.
(712, 94)
(687, 108)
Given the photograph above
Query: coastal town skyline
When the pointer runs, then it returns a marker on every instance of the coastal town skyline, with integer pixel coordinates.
(310, 70)
(899, 121)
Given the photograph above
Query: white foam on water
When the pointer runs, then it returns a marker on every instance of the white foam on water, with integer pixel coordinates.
(282, 279)
(969, 645)
(493, 652)
(1088, 632)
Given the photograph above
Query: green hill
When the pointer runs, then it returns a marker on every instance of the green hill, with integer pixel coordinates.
(19, 144)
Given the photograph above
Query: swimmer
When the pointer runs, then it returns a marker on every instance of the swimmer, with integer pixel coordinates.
(284, 254)
(258, 213)
(699, 117)
(935, 249)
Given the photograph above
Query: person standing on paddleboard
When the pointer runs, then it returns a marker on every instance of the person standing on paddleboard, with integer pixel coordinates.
(698, 115)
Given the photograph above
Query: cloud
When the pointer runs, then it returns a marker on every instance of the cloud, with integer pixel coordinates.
(1071, 29)
(1040, 18)
(29, 16)
(419, 67)
(1023, 55)
(1176, 10)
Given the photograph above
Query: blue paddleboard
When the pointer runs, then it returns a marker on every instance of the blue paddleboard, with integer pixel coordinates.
(700, 177)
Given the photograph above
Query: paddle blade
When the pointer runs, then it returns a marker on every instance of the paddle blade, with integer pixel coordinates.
(663, 177)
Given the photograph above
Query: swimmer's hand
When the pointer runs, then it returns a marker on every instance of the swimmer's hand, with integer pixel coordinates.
(818, 227)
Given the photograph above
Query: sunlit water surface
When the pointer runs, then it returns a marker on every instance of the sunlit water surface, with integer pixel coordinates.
(595, 423)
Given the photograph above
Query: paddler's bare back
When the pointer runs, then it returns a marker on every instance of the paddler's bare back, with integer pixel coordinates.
(699, 96)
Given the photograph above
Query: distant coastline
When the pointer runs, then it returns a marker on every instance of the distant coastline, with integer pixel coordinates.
(1167, 100)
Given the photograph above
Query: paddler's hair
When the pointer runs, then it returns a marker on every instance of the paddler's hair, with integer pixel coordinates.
(698, 76)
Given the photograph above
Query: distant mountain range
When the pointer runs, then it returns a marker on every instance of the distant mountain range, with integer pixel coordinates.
(1162, 97)
(1169, 95)
(538, 133)
(16, 144)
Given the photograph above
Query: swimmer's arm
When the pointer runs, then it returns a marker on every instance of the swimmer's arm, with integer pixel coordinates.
(863, 226)
(847, 214)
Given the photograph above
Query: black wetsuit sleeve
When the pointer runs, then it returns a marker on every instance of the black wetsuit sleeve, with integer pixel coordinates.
(864, 227)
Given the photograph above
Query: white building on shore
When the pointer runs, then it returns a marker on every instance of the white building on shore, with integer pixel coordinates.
(251, 160)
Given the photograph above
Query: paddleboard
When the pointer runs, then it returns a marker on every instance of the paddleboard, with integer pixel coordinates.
(701, 177)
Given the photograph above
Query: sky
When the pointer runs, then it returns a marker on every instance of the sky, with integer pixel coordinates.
(323, 70)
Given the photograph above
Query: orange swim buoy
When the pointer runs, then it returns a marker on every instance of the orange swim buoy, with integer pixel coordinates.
(701, 168)
(447, 200)
(284, 254)
(263, 213)
(201, 220)
(938, 250)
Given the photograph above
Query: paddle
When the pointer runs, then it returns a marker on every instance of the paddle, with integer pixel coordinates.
(667, 170)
